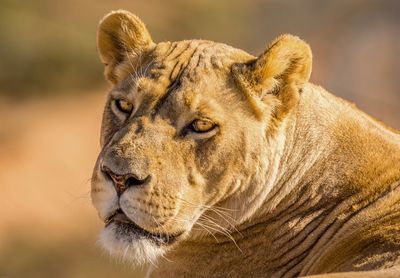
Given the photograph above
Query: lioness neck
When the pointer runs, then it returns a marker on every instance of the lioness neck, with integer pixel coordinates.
(330, 168)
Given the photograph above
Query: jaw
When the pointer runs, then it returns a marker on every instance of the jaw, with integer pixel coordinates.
(129, 246)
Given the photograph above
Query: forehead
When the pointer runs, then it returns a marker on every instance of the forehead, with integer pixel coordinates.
(191, 59)
(183, 70)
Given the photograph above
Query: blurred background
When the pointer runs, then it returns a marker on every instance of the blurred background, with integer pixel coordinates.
(52, 92)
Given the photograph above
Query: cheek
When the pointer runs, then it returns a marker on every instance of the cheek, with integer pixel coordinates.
(216, 157)
(191, 205)
(189, 212)
(204, 155)
(217, 164)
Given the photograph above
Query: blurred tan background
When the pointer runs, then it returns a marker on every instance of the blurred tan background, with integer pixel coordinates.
(52, 91)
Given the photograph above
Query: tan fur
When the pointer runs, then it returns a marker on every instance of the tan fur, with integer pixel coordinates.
(293, 181)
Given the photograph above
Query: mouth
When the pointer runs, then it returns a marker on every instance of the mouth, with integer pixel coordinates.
(120, 219)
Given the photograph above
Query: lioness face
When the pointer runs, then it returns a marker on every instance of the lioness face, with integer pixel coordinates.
(172, 139)
(178, 138)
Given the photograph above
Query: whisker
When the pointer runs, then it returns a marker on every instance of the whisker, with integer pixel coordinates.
(207, 222)
(218, 230)
(224, 215)
(224, 232)
(224, 218)
(201, 225)
(207, 230)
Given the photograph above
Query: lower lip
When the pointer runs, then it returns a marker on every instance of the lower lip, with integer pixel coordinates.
(120, 221)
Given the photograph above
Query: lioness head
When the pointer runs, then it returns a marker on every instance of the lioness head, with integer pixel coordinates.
(189, 134)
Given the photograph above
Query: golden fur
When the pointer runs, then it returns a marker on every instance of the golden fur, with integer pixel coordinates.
(290, 181)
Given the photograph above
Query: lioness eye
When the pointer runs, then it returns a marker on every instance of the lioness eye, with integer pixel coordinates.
(124, 106)
(202, 126)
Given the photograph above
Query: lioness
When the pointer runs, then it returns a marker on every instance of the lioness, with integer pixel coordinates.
(215, 163)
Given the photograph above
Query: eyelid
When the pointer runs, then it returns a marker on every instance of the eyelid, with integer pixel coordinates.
(117, 94)
(201, 135)
(189, 133)
(120, 94)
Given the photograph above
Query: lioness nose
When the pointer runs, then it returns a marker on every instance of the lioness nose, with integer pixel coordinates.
(123, 182)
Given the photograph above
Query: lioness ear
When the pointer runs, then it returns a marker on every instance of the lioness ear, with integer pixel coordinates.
(277, 74)
(121, 40)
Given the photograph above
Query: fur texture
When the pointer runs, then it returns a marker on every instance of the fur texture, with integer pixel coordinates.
(289, 181)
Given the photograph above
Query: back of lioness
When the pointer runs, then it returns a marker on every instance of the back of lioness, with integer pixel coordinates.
(364, 162)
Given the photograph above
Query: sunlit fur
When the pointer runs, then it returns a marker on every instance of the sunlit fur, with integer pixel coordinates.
(133, 250)
(290, 181)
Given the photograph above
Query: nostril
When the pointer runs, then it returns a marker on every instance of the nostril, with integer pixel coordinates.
(134, 181)
(123, 181)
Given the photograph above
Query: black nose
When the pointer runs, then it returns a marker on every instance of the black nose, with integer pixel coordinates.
(123, 182)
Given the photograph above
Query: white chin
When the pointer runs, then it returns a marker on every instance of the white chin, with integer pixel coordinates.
(130, 248)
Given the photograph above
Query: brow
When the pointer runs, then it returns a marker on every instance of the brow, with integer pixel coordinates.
(174, 86)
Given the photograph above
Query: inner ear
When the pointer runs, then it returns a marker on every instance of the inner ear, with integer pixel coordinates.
(122, 38)
(276, 75)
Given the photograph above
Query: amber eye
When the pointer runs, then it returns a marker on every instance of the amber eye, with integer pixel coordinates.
(124, 106)
(202, 126)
